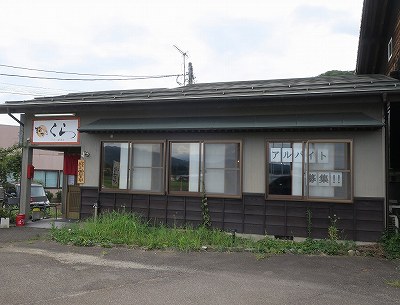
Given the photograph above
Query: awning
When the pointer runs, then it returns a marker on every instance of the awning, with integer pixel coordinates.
(320, 121)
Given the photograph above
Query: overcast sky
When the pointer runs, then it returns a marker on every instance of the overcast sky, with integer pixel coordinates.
(226, 40)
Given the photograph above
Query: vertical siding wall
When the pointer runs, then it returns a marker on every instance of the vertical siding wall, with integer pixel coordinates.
(363, 220)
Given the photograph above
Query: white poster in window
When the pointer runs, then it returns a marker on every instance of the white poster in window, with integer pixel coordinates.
(311, 155)
(336, 179)
(312, 179)
(298, 155)
(324, 179)
(55, 131)
(275, 155)
(323, 155)
(287, 155)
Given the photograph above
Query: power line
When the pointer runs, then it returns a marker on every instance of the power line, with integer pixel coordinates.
(35, 87)
(91, 79)
(20, 93)
(75, 73)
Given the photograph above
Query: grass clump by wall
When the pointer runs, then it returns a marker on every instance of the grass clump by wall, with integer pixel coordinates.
(111, 229)
(391, 245)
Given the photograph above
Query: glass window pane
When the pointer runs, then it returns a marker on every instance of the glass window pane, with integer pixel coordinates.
(285, 163)
(185, 167)
(329, 173)
(40, 177)
(222, 164)
(51, 179)
(147, 171)
(115, 165)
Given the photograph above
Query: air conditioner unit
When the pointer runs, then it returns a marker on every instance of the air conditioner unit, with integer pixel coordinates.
(393, 225)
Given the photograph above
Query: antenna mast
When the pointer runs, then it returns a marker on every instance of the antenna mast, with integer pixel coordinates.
(184, 55)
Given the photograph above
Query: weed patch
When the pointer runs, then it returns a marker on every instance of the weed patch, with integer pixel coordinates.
(391, 245)
(111, 229)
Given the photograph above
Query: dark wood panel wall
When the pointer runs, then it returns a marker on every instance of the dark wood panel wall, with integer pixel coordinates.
(362, 220)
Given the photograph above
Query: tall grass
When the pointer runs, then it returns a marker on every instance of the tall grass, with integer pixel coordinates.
(129, 229)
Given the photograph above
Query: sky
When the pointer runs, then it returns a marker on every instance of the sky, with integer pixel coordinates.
(226, 40)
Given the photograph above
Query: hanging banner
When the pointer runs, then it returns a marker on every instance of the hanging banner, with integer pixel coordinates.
(55, 131)
(81, 172)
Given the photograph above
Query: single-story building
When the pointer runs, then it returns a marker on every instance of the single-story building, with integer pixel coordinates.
(273, 157)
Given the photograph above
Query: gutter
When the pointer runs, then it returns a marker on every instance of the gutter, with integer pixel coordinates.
(386, 115)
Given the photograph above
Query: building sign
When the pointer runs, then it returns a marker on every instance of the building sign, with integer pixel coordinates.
(325, 179)
(55, 131)
(81, 172)
(289, 155)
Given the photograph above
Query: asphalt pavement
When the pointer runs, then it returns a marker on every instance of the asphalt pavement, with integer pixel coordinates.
(36, 270)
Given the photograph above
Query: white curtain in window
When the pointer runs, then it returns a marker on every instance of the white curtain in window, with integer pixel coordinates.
(297, 170)
(123, 166)
(194, 167)
(142, 163)
(215, 168)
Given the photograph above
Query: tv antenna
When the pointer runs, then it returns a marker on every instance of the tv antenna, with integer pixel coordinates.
(184, 55)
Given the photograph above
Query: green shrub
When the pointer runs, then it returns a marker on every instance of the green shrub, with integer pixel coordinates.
(49, 195)
(58, 196)
(391, 245)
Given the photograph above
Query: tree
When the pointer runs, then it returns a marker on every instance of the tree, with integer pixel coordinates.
(10, 163)
(337, 73)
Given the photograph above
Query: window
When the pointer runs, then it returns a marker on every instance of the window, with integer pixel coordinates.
(215, 164)
(390, 49)
(329, 174)
(325, 166)
(285, 169)
(48, 178)
(133, 166)
(222, 168)
(193, 166)
(115, 165)
(184, 167)
(147, 167)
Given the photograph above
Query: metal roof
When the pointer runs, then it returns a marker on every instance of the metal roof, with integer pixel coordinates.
(234, 123)
(258, 89)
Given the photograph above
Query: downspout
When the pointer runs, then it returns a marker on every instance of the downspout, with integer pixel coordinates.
(386, 115)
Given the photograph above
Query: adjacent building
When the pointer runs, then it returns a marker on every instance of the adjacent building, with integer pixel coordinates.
(379, 53)
(48, 164)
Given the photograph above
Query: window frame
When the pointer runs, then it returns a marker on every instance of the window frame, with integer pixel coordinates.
(276, 196)
(163, 164)
(202, 144)
(45, 171)
(130, 165)
(305, 170)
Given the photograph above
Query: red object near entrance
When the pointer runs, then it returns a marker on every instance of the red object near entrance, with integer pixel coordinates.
(20, 220)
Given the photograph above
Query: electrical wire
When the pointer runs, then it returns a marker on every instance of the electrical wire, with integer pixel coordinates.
(34, 87)
(20, 93)
(82, 74)
(90, 79)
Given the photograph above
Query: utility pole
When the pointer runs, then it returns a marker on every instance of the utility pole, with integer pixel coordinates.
(190, 74)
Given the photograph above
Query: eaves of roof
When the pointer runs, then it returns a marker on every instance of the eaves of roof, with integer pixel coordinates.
(373, 22)
(265, 90)
(234, 123)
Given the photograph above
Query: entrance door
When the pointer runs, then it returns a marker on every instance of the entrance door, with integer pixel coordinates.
(73, 202)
